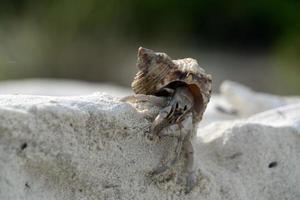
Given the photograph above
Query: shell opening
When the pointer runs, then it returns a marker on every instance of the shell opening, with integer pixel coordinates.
(199, 103)
(172, 85)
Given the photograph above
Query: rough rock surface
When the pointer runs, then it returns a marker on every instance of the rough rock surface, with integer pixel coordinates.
(94, 147)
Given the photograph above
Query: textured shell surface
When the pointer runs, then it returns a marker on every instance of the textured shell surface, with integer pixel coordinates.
(157, 71)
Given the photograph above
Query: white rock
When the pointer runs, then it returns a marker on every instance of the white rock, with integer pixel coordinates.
(93, 147)
(237, 101)
(247, 102)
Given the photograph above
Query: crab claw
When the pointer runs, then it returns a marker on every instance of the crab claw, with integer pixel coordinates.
(160, 122)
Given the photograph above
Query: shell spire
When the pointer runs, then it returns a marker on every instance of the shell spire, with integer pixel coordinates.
(153, 68)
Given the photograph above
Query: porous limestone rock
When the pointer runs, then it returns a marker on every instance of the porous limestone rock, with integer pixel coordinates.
(94, 147)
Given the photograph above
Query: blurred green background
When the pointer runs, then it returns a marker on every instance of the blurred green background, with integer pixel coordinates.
(254, 42)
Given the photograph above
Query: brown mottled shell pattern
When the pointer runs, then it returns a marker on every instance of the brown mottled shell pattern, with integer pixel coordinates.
(158, 70)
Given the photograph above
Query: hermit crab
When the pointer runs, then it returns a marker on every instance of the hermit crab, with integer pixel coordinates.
(181, 89)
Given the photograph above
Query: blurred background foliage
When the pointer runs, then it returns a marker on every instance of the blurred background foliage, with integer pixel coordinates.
(254, 42)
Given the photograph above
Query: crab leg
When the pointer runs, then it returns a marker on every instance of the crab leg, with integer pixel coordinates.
(191, 178)
(161, 121)
(170, 163)
(181, 138)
